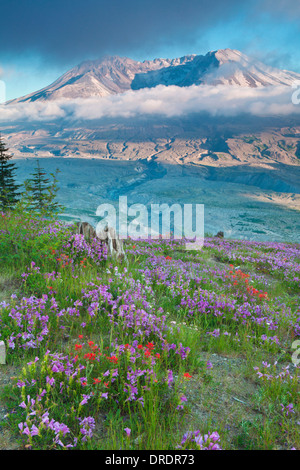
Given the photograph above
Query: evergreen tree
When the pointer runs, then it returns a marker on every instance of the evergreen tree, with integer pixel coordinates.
(9, 194)
(38, 186)
(41, 192)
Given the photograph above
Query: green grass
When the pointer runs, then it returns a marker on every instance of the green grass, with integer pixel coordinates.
(229, 397)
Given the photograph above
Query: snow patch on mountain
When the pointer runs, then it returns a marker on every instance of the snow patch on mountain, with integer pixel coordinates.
(113, 75)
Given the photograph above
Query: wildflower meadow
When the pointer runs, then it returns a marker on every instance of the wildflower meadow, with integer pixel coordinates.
(173, 350)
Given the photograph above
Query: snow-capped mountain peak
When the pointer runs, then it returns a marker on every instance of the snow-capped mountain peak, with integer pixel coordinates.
(112, 75)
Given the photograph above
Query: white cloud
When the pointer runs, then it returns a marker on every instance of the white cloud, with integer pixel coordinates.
(165, 101)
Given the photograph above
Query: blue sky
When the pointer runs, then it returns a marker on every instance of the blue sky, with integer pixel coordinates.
(41, 39)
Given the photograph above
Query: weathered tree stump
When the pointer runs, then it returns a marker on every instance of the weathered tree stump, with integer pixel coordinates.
(84, 228)
(114, 244)
(219, 235)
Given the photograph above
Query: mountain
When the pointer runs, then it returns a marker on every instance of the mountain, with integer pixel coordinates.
(110, 75)
(223, 67)
(113, 75)
(203, 139)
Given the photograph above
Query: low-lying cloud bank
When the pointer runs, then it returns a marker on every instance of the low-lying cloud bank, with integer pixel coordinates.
(170, 101)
